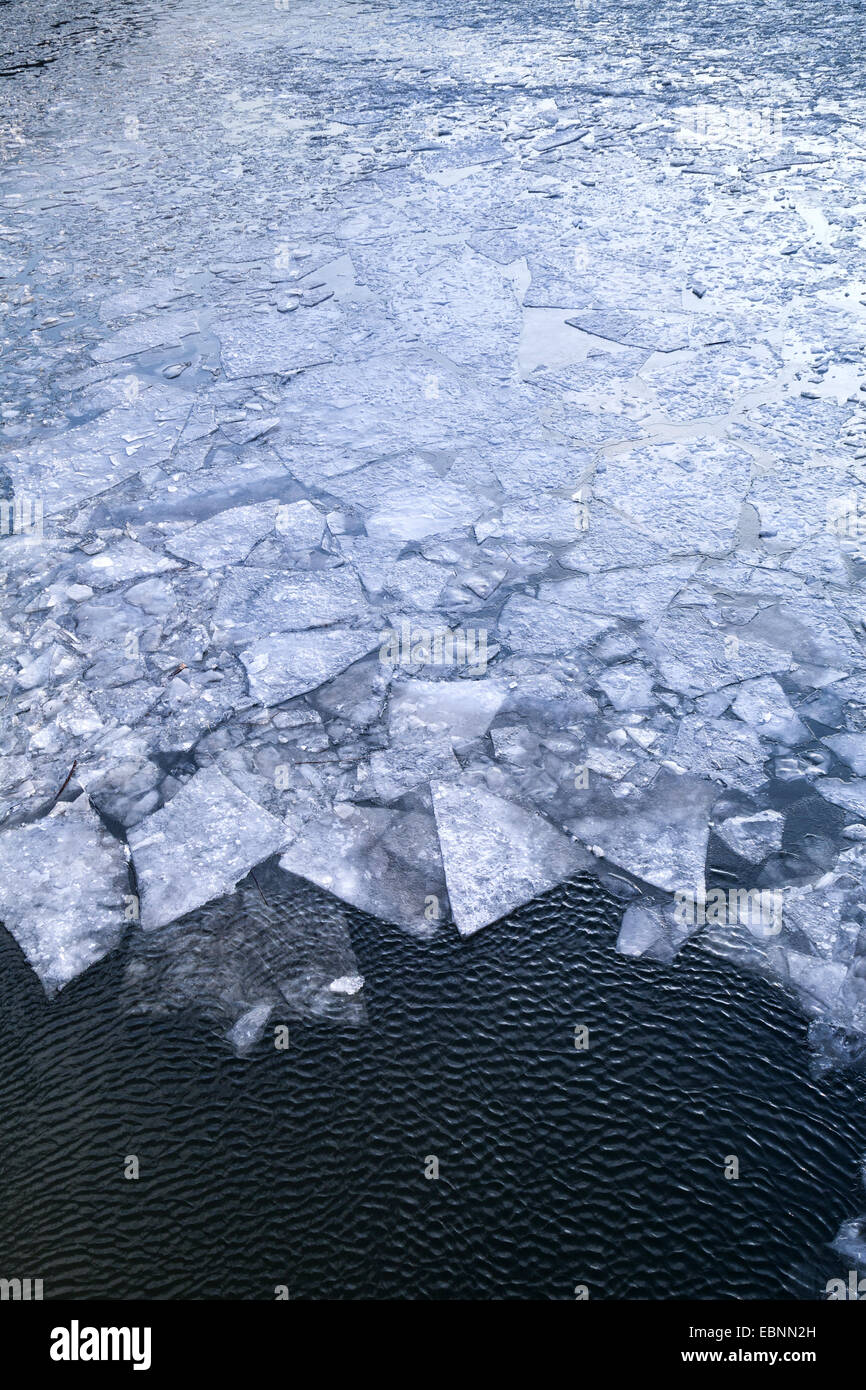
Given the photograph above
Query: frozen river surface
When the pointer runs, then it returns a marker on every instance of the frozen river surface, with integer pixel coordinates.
(434, 453)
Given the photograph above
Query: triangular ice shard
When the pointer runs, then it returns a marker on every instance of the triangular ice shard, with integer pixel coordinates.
(496, 855)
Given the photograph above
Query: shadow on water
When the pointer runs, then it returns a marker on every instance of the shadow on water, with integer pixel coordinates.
(305, 1168)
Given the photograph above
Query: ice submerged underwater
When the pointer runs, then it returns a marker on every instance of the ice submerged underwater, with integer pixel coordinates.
(424, 543)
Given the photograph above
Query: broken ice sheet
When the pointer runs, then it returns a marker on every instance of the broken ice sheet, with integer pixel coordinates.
(641, 929)
(445, 315)
(817, 982)
(387, 863)
(549, 519)
(246, 1031)
(161, 330)
(694, 657)
(394, 771)
(337, 418)
(292, 663)
(624, 593)
(446, 476)
(628, 686)
(226, 538)
(851, 750)
(653, 332)
(608, 541)
(708, 381)
(415, 512)
(199, 846)
(850, 1243)
(409, 580)
(496, 854)
(686, 496)
(722, 750)
(64, 891)
(270, 342)
(528, 625)
(763, 704)
(849, 795)
(659, 835)
(253, 603)
(66, 469)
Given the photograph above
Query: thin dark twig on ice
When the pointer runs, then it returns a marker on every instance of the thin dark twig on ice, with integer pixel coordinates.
(64, 786)
(261, 894)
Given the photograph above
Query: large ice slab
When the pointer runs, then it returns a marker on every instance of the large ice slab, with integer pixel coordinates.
(270, 342)
(127, 559)
(688, 495)
(463, 709)
(64, 891)
(660, 835)
(226, 538)
(253, 603)
(199, 846)
(497, 855)
(851, 796)
(529, 626)
(386, 863)
(293, 662)
(67, 469)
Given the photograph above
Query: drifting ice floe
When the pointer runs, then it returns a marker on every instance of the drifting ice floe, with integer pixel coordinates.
(64, 891)
(387, 863)
(199, 846)
(442, 555)
(496, 854)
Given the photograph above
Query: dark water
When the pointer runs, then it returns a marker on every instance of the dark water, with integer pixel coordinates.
(305, 1168)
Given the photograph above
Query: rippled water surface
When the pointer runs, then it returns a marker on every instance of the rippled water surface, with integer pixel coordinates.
(557, 1167)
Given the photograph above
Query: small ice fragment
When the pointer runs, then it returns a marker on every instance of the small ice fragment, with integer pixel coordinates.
(347, 984)
(753, 837)
(245, 1033)
(642, 928)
